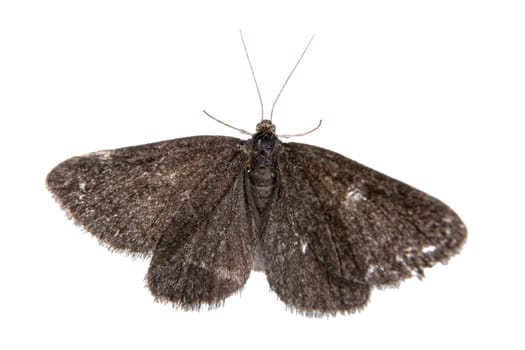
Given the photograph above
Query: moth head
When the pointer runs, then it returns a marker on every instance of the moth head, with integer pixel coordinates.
(265, 127)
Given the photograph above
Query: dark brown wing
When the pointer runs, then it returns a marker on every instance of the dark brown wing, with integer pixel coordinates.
(128, 197)
(208, 252)
(338, 228)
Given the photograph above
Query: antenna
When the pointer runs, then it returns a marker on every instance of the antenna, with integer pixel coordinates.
(259, 92)
(288, 78)
(253, 74)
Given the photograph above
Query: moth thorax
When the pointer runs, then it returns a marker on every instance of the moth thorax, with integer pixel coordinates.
(263, 174)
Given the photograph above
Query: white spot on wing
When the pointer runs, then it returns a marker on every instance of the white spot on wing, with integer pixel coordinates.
(448, 219)
(370, 272)
(103, 154)
(428, 249)
(355, 194)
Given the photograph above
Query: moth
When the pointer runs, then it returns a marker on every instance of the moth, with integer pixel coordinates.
(208, 210)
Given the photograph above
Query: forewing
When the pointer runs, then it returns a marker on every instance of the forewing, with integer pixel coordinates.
(337, 228)
(207, 253)
(128, 197)
(379, 230)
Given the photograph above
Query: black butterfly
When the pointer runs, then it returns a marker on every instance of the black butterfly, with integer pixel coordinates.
(209, 209)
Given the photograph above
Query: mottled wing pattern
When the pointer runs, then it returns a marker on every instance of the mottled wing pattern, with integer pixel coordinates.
(181, 200)
(214, 256)
(127, 197)
(338, 228)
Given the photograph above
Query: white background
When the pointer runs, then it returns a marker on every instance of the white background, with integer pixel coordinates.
(431, 93)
